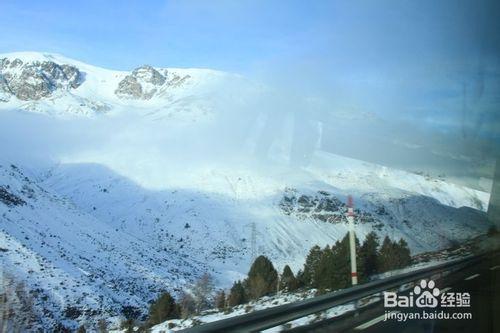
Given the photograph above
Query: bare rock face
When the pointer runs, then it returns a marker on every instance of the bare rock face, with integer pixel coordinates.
(148, 74)
(35, 80)
(5, 92)
(129, 87)
(142, 83)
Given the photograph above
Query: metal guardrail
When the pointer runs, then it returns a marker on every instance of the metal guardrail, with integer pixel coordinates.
(275, 316)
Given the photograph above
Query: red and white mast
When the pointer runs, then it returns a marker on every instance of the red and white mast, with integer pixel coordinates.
(352, 243)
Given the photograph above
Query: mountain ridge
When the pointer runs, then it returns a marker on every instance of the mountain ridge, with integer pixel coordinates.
(96, 90)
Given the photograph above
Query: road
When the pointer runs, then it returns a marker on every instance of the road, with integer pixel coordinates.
(481, 281)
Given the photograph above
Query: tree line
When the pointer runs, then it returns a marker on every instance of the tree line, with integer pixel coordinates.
(325, 269)
(330, 268)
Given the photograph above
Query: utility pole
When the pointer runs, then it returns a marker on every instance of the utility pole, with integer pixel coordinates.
(253, 239)
(278, 284)
(352, 242)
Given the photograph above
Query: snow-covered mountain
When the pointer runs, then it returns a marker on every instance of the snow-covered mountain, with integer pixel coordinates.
(54, 84)
(164, 178)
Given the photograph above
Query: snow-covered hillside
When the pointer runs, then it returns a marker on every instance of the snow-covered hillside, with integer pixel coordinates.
(85, 236)
(53, 84)
(74, 260)
(164, 179)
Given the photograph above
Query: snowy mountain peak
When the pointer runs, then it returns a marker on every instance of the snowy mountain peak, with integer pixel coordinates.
(55, 85)
(149, 74)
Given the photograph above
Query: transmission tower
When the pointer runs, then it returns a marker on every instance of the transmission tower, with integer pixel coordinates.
(253, 239)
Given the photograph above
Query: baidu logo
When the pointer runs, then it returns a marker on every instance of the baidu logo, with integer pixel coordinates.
(426, 295)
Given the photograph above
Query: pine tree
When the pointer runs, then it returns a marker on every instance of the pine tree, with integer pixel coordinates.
(262, 278)
(220, 300)
(324, 271)
(81, 329)
(162, 309)
(300, 279)
(368, 255)
(334, 268)
(386, 258)
(288, 282)
(237, 295)
(307, 277)
(342, 263)
(394, 255)
(403, 254)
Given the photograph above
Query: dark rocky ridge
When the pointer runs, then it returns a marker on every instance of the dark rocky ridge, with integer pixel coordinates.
(145, 81)
(132, 85)
(10, 199)
(322, 206)
(35, 80)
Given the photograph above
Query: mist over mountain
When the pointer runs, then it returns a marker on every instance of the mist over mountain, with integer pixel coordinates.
(167, 173)
(231, 112)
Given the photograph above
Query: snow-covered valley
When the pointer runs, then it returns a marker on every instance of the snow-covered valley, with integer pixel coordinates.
(151, 178)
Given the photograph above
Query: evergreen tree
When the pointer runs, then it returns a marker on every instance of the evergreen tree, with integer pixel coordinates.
(288, 282)
(162, 309)
(300, 279)
(403, 254)
(262, 278)
(342, 263)
(368, 255)
(81, 329)
(393, 255)
(386, 256)
(220, 300)
(237, 295)
(324, 271)
(307, 277)
(334, 268)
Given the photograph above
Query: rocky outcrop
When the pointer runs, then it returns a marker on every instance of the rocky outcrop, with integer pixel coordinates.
(10, 199)
(5, 92)
(148, 74)
(35, 80)
(129, 87)
(322, 206)
(142, 83)
(145, 81)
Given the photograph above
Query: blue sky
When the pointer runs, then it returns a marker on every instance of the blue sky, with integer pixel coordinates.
(229, 35)
(236, 35)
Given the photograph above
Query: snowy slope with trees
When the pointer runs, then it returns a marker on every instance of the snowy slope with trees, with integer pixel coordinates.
(153, 177)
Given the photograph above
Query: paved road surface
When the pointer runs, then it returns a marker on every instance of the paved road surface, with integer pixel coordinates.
(482, 282)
